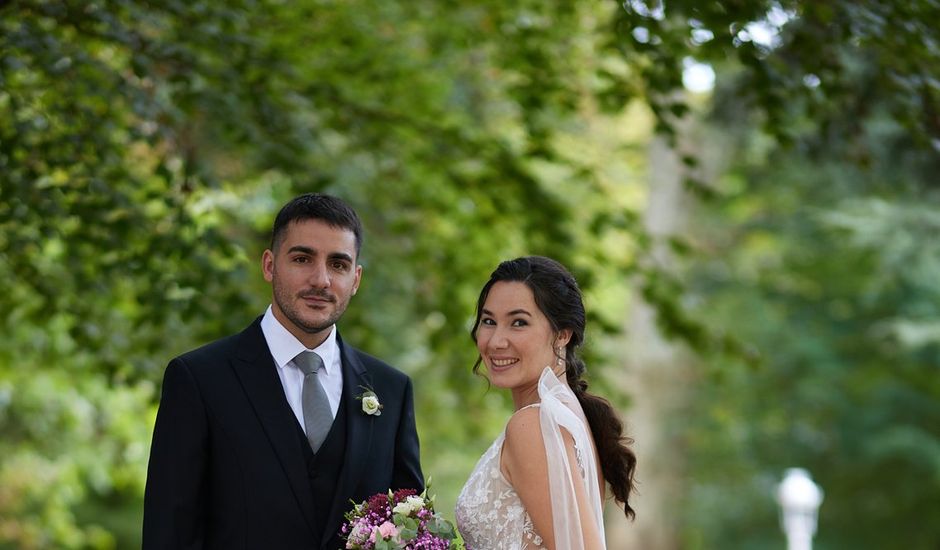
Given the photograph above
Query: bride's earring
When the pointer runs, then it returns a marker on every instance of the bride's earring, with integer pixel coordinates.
(559, 358)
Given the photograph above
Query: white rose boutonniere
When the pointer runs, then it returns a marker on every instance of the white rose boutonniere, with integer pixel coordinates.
(370, 403)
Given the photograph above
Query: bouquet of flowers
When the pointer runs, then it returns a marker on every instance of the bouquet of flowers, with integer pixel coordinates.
(403, 520)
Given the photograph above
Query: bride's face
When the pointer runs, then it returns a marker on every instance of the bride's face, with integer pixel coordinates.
(514, 337)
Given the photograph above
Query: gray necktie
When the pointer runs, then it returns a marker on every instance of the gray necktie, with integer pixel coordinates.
(318, 417)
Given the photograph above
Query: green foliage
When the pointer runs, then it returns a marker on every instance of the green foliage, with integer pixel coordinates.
(145, 147)
(815, 255)
(831, 272)
(789, 60)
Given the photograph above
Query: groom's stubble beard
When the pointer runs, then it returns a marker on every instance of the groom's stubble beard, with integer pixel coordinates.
(288, 304)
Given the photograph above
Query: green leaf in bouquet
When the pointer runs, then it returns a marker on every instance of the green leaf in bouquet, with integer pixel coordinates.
(440, 527)
(382, 544)
(407, 527)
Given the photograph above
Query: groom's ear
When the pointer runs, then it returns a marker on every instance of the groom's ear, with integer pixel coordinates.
(358, 280)
(267, 265)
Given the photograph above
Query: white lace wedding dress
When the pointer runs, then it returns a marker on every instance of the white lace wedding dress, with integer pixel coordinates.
(489, 513)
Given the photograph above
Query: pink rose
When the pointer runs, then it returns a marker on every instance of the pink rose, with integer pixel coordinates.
(384, 531)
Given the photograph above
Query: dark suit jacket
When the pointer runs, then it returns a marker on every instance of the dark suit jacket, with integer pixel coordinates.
(226, 470)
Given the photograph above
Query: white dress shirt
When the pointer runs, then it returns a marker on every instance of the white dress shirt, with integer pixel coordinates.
(284, 347)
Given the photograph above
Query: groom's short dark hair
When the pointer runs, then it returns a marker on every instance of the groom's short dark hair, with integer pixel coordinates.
(317, 206)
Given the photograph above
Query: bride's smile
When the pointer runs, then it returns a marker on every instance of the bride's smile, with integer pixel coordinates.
(541, 484)
(515, 340)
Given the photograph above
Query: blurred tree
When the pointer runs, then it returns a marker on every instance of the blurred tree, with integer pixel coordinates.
(832, 274)
(831, 109)
(792, 61)
(144, 148)
(831, 270)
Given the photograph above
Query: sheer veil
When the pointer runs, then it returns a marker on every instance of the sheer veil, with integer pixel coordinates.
(557, 411)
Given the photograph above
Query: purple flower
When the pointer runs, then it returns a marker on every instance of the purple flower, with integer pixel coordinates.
(404, 517)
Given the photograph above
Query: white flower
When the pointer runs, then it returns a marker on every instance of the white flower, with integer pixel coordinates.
(359, 535)
(371, 405)
(409, 505)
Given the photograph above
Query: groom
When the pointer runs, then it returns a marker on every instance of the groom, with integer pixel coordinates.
(263, 438)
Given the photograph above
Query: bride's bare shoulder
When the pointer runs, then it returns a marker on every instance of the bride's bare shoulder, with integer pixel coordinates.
(523, 421)
(523, 442)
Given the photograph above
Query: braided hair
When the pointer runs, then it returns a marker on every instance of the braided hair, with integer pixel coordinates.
(558, 297)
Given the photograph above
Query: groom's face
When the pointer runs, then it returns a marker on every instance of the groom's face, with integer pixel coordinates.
(313, 272)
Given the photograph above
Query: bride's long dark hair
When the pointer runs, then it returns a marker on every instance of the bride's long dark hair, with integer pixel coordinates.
(558, 297)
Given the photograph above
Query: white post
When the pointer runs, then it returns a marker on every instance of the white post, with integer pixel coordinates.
(799, 500)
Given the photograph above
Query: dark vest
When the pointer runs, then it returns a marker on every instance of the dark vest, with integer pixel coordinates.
(324, 467)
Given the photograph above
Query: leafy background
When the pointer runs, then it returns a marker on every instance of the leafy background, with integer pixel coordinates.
(759, 260)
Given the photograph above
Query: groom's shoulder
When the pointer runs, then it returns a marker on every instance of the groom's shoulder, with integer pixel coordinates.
(377, 366)
(212, 350)
(218, 351)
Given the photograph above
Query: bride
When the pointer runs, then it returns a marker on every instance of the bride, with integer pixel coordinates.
(542, 483)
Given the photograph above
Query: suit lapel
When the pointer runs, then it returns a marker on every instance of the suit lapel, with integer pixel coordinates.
(257, 372)
(358, 434)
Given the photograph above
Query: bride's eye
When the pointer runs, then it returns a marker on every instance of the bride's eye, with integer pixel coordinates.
(519, 323)
(487, 321)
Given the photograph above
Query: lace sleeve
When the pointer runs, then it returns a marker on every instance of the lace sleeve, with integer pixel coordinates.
(556, 413)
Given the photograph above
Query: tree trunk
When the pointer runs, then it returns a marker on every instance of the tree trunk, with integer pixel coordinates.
(656, 376)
